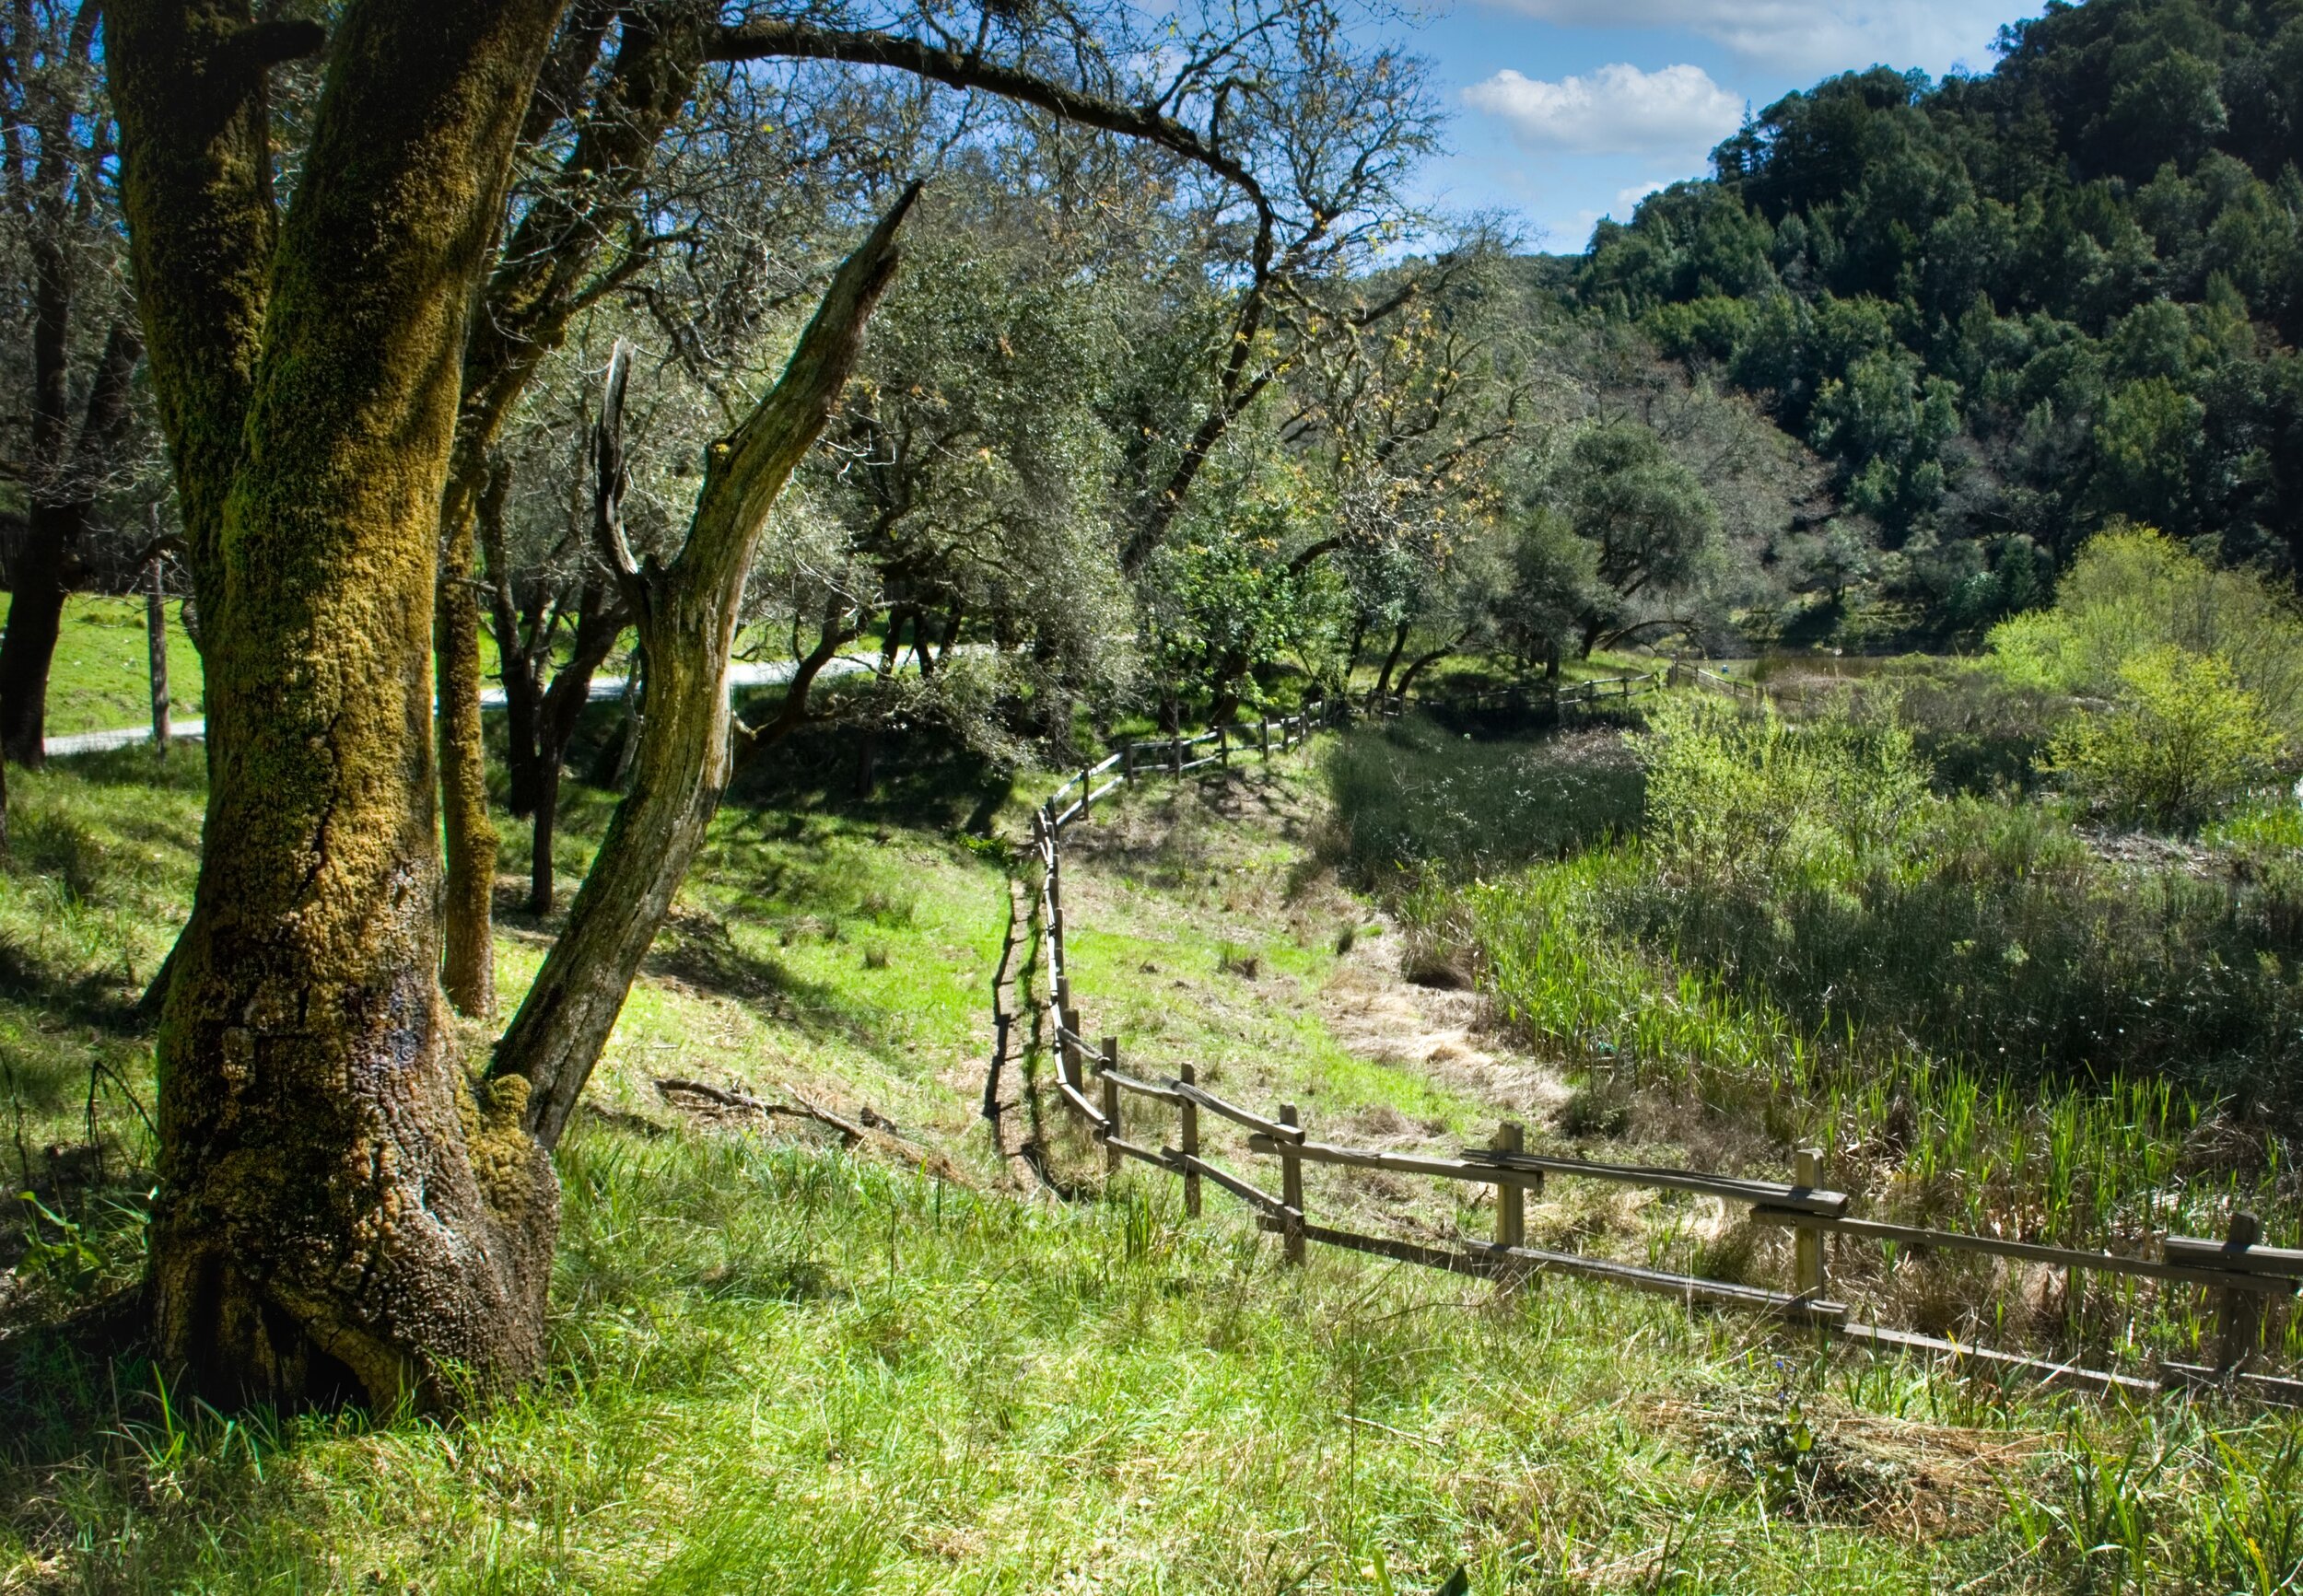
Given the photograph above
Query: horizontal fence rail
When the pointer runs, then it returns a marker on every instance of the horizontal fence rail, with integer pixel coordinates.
(2242, 1277)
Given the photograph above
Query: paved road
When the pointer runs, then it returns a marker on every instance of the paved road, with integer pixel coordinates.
(765, 673)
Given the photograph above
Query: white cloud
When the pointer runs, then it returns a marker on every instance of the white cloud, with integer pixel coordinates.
(1617, 108)
(1805, 36)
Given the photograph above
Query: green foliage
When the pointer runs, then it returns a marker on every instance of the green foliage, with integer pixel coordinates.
(1754, 801)
(2131, 591)
(2015, 307)
(1226, 604)
(1646, 516)
(56, 1250)
(2181, 742)
(1409, 792)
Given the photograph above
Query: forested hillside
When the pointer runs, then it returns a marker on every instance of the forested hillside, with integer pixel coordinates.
(2015, 307)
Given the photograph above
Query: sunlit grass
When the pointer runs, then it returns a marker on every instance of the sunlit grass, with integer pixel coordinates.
(778, 1368)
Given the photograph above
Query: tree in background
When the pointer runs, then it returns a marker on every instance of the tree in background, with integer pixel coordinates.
(2014, 308)
(1645, 516)
(61, 233)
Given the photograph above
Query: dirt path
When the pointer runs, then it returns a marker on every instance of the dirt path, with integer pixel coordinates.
(1379, 1015)
(1215, 865)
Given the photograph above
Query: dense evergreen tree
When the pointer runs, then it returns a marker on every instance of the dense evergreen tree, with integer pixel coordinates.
(2013, 307)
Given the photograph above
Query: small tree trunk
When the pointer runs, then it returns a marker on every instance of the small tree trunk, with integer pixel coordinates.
(1391, 660)
(542, 884)
(62, 500)
(1418, 665)
(468, 946)
(156, 647)
(35, 619)
(840, 626)
(950, 634)
(53, 527)
(891, 645)
(635, 715)
(522, 643)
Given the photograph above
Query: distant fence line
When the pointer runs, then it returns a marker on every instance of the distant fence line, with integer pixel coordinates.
(2242, 1275)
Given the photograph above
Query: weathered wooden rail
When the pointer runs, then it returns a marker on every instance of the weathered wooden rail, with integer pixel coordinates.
(2242, 1277)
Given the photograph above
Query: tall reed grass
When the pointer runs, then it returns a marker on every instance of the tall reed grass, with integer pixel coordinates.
(1991, 1024)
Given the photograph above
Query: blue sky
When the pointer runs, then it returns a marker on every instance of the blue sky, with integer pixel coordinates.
(1566, 110)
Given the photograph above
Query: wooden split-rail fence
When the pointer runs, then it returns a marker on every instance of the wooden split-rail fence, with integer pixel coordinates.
(2240, 1276)
(1550, 697)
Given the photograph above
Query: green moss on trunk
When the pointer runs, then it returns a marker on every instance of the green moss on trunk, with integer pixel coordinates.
(337, 1213)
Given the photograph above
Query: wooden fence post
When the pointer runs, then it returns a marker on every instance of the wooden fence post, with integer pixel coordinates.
(1087, 790)
(1175, 755)
(1189, 1138)
(1263, 731)
(1511, 1202)
(1807, 1275)
(1111, 1105)
(2239, 1315)
(1127, 762)
(1292, 1187)
(1056, 927)
(1223, 748)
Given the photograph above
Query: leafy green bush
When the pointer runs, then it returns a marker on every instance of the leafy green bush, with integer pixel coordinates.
(2183, 741)
(2131, 591)
(1408, 793)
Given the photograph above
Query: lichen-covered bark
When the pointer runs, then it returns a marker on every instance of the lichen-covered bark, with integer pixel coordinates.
(686, 614)
(340, 1212)
(467, 971)
(544, 274)
(186, 83)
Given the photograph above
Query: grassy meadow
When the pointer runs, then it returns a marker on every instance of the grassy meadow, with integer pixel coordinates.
(780, 1365)
(101, 678)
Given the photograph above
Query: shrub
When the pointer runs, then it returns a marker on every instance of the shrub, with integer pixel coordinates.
(2133, 590)
(2182, 740)
(1409, 794)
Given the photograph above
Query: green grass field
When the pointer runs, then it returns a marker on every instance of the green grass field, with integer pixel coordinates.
(101, 676)
(780, 1366)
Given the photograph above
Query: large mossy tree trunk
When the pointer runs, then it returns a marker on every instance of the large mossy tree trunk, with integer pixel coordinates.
(340, 1211)
(686, 612)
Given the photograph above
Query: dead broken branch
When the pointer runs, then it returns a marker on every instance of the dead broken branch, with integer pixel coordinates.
(867, 1128)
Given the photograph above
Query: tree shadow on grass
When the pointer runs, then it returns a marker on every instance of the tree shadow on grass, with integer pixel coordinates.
(698, 950)
(923, 777)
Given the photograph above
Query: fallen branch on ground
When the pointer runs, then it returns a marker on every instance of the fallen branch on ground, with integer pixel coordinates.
(875, 1129)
